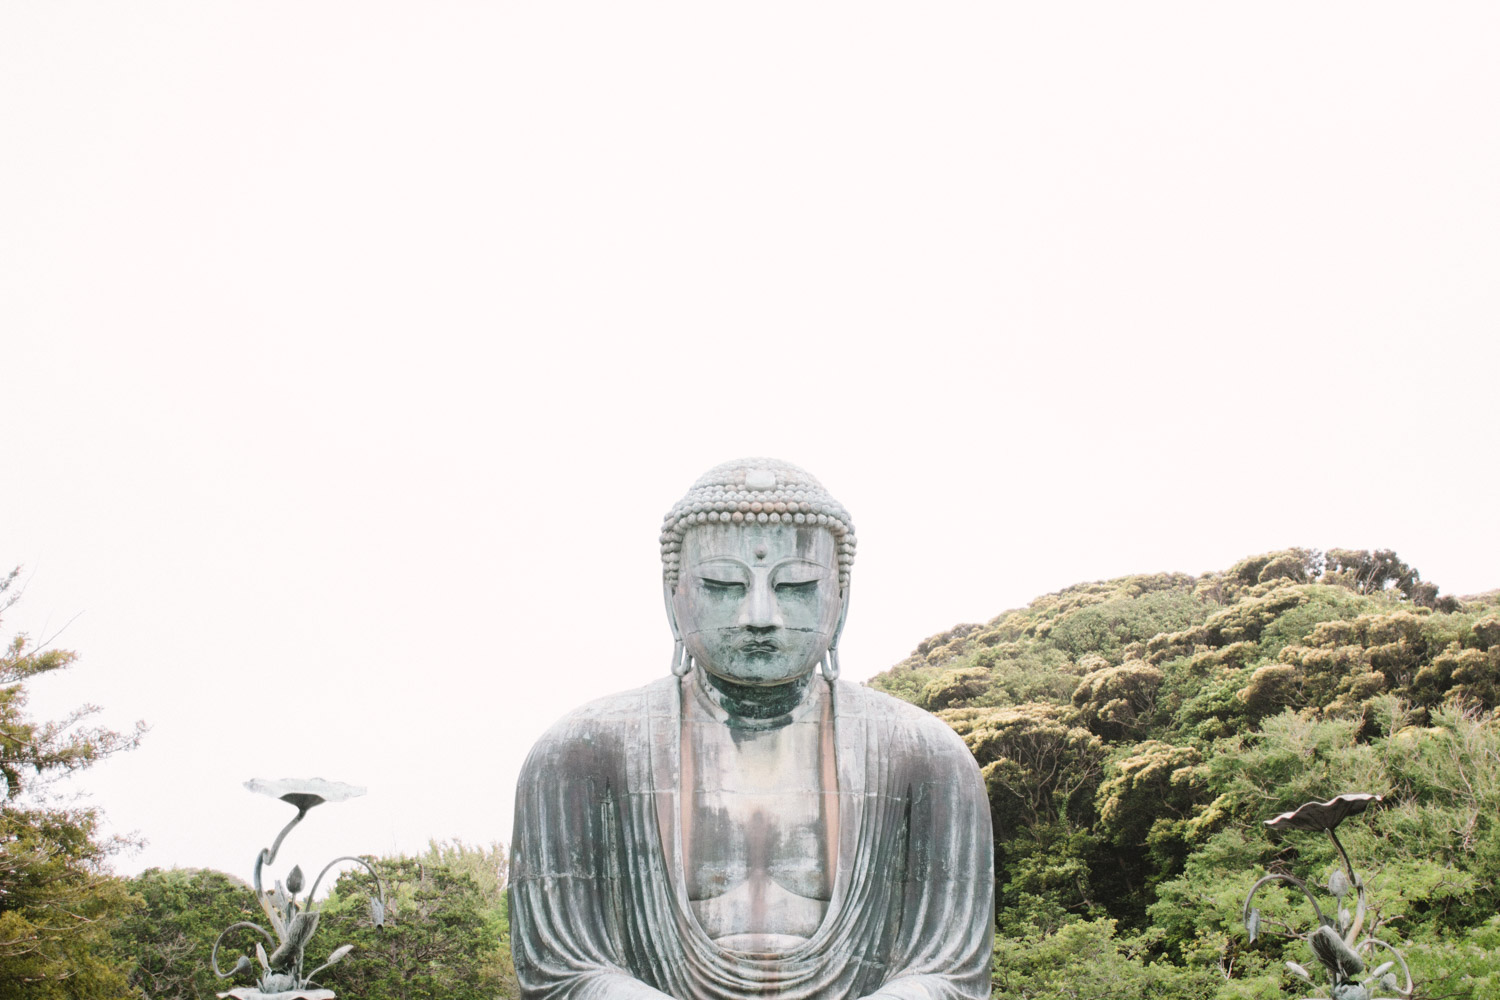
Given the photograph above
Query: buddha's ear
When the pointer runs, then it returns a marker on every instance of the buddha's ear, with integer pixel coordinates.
(838, 629)
(667, 592)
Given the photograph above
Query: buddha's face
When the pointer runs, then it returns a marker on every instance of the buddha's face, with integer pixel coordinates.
(758, 604)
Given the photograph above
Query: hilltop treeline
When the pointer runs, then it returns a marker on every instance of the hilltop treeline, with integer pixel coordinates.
(1134, 734)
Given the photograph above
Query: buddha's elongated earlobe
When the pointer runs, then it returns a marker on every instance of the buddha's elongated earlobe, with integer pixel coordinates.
(830, 664)
(682, 662)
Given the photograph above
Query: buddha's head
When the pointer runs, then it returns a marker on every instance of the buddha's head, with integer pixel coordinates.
(755, 561)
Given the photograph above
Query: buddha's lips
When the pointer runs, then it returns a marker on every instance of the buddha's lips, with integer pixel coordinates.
(760, 646)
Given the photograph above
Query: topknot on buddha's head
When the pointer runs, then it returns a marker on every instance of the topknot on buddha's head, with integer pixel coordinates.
(756, 490)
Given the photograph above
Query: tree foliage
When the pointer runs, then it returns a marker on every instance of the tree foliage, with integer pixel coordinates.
(169, 937)
(58, 899)
(447, 933)
(1134, 733)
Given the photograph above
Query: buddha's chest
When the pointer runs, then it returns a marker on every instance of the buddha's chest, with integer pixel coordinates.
(760, 826)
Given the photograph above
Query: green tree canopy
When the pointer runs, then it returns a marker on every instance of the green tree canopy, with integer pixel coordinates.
(58, 899)
(169, 937)
(1134, 733)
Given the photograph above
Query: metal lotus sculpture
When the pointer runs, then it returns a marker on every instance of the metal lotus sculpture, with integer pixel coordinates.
(294, 921)
(1336, 941)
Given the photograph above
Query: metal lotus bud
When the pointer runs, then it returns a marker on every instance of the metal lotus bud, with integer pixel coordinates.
(1338, 883)
(294, 880)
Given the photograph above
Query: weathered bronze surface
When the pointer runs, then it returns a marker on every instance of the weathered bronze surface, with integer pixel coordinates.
(744, 827)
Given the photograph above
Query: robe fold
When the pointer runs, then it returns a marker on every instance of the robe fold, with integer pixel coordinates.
(598, 899)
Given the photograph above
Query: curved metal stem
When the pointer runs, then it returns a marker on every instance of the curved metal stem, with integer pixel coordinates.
(1322, 920)
(1359, 888)
(213, 957)
(359, 861)
(1410, 984)
(1353, 878)
(267, 856)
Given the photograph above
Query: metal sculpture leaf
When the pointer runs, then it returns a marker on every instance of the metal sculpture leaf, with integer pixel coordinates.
(301, 931)
(1323, 815)
(1298, 970)
(304, 793)
(1335, 955)
(1252, 925)
(377, 912)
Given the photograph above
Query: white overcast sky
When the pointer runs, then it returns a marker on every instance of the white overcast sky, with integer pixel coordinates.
(350, 353)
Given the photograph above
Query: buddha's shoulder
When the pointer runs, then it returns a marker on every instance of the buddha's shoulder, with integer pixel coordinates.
(904, 725)
(607, 724)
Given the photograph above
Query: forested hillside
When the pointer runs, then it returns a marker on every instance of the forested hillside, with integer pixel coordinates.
(1135, 733)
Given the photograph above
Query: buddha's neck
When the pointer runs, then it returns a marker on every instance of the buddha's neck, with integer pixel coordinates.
(755, 706)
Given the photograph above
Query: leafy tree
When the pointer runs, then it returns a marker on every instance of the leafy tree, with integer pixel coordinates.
(955, 688)
(170, 936)
(1371, 572)
(1118, 701)
(58, 899)
(1134, 733)
(1039, 766)
(445, 935)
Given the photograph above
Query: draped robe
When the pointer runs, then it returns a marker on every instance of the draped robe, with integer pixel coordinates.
(598, 899)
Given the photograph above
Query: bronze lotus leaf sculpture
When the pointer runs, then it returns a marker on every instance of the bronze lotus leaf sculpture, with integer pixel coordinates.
(293, 921)
(1323, 815)
(1335, 941)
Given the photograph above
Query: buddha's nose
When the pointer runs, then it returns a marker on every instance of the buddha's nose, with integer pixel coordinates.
(761, 609)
